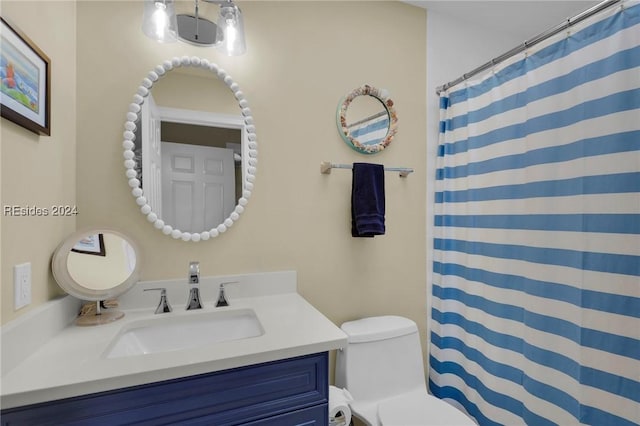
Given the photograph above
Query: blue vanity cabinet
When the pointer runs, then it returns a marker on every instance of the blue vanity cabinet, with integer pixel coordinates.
(293, 391)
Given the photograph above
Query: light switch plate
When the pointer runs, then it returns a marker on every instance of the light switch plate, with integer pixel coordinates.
(22, 285)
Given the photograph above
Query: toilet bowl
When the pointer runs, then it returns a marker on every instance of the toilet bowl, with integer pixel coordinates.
(382, 368)
(420, 408)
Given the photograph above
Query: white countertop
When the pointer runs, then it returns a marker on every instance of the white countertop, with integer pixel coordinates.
(72, 362)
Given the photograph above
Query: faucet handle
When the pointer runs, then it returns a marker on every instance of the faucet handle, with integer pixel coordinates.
(163, 305)
(222, 300)
(194, 272)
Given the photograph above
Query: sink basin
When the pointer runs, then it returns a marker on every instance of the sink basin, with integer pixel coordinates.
(190, 330)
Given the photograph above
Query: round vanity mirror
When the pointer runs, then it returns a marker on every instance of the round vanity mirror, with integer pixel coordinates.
(96, 265)
(367, 120)
(190, 149)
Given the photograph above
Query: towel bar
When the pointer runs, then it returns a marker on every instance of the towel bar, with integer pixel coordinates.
(326, 166)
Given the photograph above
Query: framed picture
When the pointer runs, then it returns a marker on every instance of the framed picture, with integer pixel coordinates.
(25, 72)
(91, 244)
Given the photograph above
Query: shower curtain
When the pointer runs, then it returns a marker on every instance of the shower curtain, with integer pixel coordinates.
(535, 313)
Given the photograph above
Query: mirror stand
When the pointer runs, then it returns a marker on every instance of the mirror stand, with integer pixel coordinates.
(96, 316)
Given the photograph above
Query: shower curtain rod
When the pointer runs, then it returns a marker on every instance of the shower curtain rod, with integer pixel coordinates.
(531, 42)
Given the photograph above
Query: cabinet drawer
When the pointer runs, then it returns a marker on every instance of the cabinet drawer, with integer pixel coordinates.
(317, 415)
(314, 416)
(228, 397)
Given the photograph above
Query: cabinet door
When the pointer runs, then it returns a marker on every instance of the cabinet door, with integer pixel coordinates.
(230, 397)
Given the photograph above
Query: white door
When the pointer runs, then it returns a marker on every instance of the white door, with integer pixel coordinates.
(151, 155)
(198, 186)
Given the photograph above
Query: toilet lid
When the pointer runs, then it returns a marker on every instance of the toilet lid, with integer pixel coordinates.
(420, 411)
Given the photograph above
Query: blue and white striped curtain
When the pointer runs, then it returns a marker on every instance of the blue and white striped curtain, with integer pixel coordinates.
(372, 130)
(536, 284)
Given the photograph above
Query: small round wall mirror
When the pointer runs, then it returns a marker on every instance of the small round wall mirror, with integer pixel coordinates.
(190, 149)
(367, 120)
(96, 265)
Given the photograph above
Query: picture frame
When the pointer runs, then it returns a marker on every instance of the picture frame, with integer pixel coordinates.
(91, 244)
(25, 74)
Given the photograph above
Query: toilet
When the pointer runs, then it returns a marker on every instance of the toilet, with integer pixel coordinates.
(382, 368)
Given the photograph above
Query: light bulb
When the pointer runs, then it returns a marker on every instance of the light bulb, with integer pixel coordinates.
(230, 34)
(159, 20)
(231, 23)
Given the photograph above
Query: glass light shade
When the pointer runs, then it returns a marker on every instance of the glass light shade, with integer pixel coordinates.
(159, 20)
(232, 26)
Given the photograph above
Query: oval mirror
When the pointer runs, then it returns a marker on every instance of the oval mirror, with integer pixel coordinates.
(190, 149)
(367, 120)
(96, 265)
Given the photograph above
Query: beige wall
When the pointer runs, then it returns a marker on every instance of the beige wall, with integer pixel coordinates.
(200, 92)
(303, 58)
(40, 170)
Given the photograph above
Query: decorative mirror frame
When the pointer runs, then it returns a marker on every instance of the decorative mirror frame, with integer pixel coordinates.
(382, 96)
(129, 136)
(66, 281)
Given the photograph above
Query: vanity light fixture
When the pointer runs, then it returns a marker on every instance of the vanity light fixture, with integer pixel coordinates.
(161, 23)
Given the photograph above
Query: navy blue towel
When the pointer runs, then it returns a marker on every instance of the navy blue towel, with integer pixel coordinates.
(367, 200)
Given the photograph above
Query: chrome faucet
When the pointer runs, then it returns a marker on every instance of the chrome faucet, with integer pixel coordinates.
(164, 305)
(222, 300)
(194, 290)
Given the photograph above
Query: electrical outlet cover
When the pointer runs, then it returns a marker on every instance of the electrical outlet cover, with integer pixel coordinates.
(22, 285)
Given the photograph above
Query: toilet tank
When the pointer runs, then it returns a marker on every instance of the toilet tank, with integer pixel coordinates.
(383, 358)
